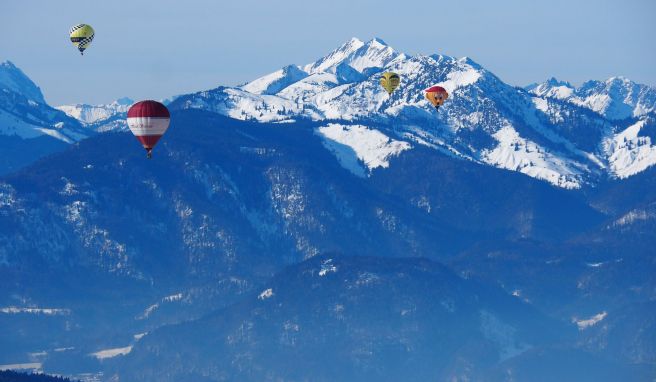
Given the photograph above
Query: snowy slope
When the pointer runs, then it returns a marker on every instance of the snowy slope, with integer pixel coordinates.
(355, 145)
(629, 151)
(14, 80)
(325, 64)
(344, 85)
(551, 131)
(616, 98)
(276, 81)
(96, 113)
(24, 113)
(30, 128)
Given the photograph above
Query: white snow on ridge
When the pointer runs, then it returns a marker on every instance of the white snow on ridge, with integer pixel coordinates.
(276, 81)
(518, 154)
(95, 113)
(628, 153)
(554, 89)
(14, 80)
(356, 144)
(592, 321)
(149, 310)
(12, 125)
(616, 98)
(240, 104)
(307, 89)
(633, 216)
(173, 297)
(373, 54)
(457, 79)
(268, 293)
(334, 58)
(111, 353)
(22, 366)
(327, 266)
(44, 311)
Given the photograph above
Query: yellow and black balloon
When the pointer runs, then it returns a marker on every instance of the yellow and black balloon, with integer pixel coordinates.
(81, 36)
(390, 81)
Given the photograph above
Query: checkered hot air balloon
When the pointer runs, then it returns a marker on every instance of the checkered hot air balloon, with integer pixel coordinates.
(81, 36)
(148, 121)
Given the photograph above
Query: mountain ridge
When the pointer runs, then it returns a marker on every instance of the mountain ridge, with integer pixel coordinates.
(559, 138)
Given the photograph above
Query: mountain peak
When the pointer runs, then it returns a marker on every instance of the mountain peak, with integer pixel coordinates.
(618, 79)
(276, 81)
(378, 41)
(13, 79)
(7, 64)
(124, 101)
(334, 58)
(353, 41)
(553, 81)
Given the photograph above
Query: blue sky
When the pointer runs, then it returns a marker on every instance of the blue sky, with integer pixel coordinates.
(155, 49)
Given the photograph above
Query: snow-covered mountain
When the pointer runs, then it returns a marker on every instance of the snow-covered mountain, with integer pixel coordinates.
(91, 114)
(617, 98)
(570, 137)
(29, 127)
(14, 80)
(24, 112)
(486, 120)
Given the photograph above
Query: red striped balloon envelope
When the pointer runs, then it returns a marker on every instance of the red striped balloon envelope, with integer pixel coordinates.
(148, 121)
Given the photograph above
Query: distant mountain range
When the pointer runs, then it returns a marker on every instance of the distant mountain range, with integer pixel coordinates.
(567, 136)
(306, 226)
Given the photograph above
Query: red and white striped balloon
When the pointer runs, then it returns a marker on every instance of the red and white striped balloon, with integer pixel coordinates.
(148, 121)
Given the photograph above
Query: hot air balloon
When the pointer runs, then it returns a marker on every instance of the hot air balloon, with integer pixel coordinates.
(436, 95)
(81, 36)
(390, 81)
(148, 121)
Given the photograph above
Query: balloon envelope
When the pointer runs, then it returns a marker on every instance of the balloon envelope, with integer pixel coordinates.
(390, 81)
(81, 36)
(436, 95)
(148, 121)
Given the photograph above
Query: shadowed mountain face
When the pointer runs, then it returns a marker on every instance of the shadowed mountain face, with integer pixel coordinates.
(272, 192)
(104, 245)
(246, 200)
(363, 319)
(350, 319)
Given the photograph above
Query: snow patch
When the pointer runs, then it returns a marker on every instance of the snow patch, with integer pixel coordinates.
(356, 144)
(468, 75)
(518, 154)
(36, 366)
(111, 353)
(628, 218)
(43, 311)
(327, 266)
(149, 310)
(592, 321)
(630, 153)
(267, 293)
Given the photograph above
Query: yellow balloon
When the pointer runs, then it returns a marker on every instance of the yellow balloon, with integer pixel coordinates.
(390, 81)
(81, 36)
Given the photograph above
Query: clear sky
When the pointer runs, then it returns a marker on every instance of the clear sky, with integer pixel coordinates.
(156, 49)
